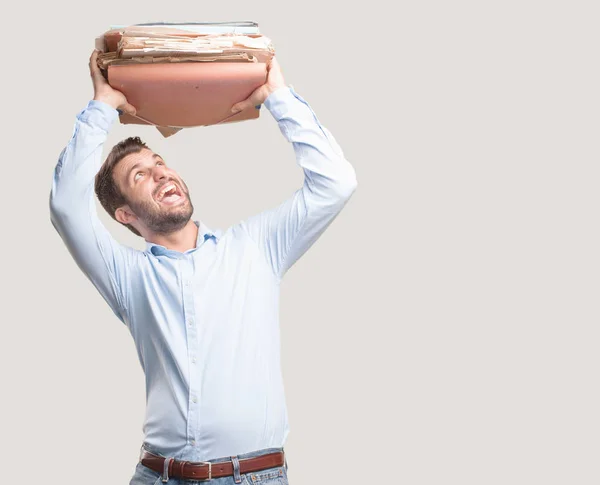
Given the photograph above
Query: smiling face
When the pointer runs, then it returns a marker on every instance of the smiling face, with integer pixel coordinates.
(158, 200)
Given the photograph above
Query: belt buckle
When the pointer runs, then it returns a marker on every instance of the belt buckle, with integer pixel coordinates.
(209, 470)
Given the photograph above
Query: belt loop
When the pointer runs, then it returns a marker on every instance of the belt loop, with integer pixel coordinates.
(166, 464)
(284, 458)
(237, 478)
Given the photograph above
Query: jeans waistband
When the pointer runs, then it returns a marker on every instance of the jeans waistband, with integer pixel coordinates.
(250, 454)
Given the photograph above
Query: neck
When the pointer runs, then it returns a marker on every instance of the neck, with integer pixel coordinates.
(181, 240)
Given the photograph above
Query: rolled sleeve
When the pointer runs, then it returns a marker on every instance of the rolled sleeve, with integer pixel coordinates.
(98, 113)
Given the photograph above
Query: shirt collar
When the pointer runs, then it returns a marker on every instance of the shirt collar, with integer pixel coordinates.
(204, 233)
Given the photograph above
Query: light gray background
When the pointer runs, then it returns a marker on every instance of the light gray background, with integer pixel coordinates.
(444, 329)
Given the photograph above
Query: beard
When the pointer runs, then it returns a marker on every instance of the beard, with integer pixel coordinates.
(164, 219)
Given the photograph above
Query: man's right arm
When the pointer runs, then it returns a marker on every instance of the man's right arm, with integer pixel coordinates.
(73, 209)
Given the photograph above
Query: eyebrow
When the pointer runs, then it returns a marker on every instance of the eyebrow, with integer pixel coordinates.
(155, 156)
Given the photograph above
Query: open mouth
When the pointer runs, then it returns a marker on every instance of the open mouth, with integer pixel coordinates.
(170, 194)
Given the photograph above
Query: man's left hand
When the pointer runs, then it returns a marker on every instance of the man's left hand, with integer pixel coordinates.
(274, 81)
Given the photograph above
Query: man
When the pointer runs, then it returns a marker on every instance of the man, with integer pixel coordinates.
(201, 305)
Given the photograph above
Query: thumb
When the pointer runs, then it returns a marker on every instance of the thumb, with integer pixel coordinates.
(129, 109)
(239, 106)
(253, 100)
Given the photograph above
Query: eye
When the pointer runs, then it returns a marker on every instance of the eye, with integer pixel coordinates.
(135, 177)
(160, 163)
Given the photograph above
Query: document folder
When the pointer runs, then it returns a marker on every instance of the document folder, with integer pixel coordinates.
(185, 75)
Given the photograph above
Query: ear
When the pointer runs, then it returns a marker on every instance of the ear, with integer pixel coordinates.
(125, 215)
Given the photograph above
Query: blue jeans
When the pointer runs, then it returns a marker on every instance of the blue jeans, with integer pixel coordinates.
(270, 476)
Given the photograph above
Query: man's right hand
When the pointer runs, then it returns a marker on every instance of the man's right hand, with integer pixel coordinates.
(104, 92)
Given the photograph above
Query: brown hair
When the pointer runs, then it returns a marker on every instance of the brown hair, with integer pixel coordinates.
(107, 190)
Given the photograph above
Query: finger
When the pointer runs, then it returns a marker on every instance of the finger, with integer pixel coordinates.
(273, 65)
(93, 59)
(94, 69)
(256, 98)
(130, 109)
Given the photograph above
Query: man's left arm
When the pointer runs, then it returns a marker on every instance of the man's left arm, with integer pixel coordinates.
(286, 232)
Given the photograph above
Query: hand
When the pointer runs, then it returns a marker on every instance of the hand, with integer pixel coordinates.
(104, 92)
(274, 81)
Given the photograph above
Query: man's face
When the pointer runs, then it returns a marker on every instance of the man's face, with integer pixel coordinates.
(154, 192)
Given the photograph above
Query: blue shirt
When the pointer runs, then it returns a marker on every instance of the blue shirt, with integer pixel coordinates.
(205, 322)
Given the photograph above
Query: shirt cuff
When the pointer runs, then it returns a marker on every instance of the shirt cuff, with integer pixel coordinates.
(278, 101)
(98, 113)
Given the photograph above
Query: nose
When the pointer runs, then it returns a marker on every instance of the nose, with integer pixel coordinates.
(159, 173)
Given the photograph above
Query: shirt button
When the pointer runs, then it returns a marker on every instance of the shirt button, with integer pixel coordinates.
(193, 442)
(194, 360)
(195, 399)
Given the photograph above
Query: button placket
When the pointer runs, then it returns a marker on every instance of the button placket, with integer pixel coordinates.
(191, 333)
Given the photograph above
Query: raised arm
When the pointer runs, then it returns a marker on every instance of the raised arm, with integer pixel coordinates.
(286, 232)
(72, 202)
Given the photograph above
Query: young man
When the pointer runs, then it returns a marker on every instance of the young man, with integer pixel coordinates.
(201, 305)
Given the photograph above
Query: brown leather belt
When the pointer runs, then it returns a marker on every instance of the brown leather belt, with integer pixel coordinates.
(204, 470)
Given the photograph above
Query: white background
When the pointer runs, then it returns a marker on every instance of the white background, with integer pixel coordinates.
(444, 329)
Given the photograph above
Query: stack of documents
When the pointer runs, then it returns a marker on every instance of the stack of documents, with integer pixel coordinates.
(183, 75)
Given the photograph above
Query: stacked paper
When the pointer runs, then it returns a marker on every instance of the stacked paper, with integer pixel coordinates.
(182, 75)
